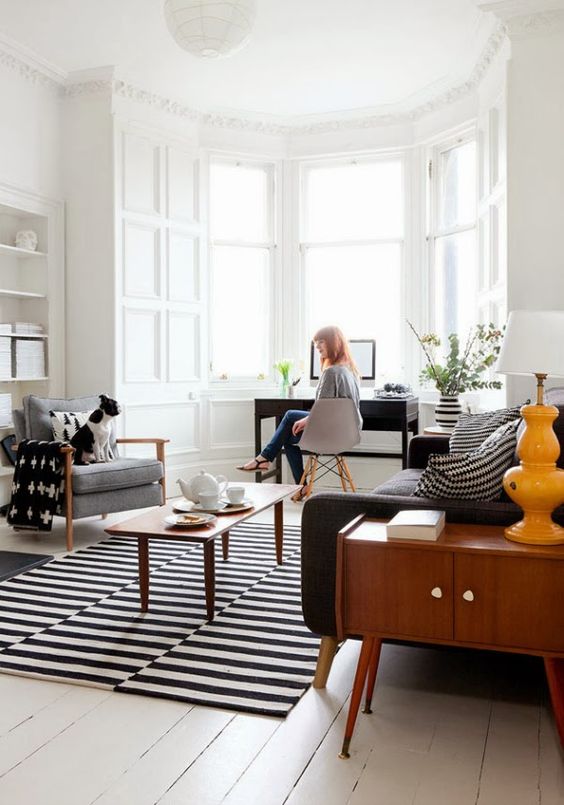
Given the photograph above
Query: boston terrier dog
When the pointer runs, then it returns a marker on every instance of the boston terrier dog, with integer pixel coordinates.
(92, 440)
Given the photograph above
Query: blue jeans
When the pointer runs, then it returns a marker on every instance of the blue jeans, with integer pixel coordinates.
(284, 438)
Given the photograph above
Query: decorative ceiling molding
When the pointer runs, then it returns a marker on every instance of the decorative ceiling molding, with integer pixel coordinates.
(280, 126)
(15, 57)
(544, 23)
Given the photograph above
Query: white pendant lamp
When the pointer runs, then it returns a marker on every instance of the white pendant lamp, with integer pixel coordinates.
(211, 28)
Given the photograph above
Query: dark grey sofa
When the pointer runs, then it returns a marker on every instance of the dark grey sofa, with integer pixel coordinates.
(326, 513)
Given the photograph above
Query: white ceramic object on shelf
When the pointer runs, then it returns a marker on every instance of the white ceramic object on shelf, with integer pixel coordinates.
(26, 239)
(202, 483)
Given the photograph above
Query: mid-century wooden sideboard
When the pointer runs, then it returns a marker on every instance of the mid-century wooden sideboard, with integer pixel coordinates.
(470, 588)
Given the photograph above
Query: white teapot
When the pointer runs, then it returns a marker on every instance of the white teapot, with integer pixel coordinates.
(203, 482)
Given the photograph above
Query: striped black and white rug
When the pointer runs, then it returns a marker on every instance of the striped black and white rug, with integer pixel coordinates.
(77, 619)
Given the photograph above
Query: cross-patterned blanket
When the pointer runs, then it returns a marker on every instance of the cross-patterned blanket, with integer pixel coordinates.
(38, 486)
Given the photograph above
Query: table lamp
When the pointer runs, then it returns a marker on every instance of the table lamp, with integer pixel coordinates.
(534, 344)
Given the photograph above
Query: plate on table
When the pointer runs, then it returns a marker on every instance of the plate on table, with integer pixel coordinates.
(235, 508)
(199, 507)
(182, 505)
(189, 520)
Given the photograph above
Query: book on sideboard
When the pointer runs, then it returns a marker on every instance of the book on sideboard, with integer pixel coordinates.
(416, 524)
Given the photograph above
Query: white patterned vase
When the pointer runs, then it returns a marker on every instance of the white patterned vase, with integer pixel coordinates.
(447, 411)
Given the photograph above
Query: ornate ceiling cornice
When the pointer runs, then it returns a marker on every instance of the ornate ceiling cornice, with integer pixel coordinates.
(281, 126)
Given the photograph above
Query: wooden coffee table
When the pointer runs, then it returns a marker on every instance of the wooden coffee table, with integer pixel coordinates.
(151, 525)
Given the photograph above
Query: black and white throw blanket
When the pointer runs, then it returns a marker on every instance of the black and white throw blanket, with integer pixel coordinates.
(38, 486)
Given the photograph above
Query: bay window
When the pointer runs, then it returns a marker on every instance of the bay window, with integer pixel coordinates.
(241, 251)
(352, 230)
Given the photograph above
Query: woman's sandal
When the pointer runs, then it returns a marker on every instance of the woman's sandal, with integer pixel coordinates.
(258, 467)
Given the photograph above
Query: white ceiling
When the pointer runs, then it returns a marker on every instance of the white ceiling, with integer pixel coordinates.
(305, 56)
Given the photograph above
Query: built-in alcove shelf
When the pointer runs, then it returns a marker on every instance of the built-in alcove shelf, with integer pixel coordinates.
(23, 379)
(21, 294)
(15, 251)
(23, 335)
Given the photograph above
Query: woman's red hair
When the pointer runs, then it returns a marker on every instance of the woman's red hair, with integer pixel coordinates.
(338, 350)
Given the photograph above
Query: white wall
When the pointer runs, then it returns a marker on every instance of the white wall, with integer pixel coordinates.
(30, 134)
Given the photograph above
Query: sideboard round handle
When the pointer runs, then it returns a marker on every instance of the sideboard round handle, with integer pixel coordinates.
(436, 592)
(468, 595)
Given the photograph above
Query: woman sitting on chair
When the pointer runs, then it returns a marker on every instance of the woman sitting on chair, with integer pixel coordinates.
(339, 378)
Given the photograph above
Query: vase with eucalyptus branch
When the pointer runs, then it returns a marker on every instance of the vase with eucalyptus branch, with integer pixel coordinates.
(462, 369)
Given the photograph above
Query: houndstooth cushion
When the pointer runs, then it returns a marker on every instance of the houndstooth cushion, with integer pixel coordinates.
(66, 423)
(472, 430)
(476, 475)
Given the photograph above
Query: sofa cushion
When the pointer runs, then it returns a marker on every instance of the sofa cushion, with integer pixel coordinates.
(65, 424)
(472, 430)
(402, 483)
(476, 475)
(120, 473)
(38, 420)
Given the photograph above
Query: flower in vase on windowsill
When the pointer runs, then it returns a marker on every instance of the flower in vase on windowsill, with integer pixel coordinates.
(283, 366)
(462, 368)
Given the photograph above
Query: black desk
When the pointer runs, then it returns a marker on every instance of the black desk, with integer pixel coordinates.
(385, 415)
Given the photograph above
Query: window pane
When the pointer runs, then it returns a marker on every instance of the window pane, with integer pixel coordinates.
(354, 201)
(358, 288)
(455, 285)
(457, 198)
(239, 202)
(240, 311)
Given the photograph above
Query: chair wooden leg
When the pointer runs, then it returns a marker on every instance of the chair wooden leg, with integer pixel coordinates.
(348, 474)
(341, 476)
(327, 651)
(305, 473)
(68, 500)
(309, 488)
(104, 516)
(161, 458)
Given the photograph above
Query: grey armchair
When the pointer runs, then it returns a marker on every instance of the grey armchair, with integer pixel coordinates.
(120, 485)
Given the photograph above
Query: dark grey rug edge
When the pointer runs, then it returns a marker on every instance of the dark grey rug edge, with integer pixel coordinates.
(12, 563)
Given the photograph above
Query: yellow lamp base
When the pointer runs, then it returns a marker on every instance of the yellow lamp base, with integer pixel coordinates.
(536, 530)
(537, 485)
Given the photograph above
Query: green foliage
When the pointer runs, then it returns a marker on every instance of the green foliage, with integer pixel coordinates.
(462, 368)
(284, 367)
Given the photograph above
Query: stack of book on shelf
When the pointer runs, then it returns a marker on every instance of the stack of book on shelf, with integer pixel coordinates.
(5, 358)
(30, 359)
(5, 410)
(28, 328)
(416, 524)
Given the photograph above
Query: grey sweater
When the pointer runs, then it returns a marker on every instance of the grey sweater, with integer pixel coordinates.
(339, 381)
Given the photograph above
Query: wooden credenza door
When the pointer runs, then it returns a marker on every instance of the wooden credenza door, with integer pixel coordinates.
(398, 591)
(509, 602)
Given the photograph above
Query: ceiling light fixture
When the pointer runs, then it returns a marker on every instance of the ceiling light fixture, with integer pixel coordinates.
(211, 28)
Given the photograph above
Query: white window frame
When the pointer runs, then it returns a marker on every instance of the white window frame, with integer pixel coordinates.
(271, 168)
(404, 370)
(434, 230)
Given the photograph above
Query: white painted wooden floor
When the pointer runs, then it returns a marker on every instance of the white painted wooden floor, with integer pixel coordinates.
(448, 728)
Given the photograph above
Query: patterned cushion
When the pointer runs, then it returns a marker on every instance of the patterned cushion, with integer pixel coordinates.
(66, 423)
(472, 430)
(476, 475)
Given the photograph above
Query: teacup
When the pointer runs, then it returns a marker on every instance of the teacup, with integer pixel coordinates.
(235, 494)
(209, 500)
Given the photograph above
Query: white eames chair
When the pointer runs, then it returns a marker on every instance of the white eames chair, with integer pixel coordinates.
(332, 429)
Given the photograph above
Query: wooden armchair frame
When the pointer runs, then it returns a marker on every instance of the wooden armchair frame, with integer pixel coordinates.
(68, 453)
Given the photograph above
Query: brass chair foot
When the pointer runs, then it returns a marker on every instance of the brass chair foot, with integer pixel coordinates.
(344, 753)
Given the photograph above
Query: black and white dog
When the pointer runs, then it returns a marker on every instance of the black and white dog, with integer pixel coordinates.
(92, 440)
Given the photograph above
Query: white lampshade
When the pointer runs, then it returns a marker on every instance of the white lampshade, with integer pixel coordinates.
(210, 28)
(533, 343)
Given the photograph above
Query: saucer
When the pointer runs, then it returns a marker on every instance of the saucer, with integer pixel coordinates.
(182, 505)
(198, 507)
(189, 520)
(233, 508)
